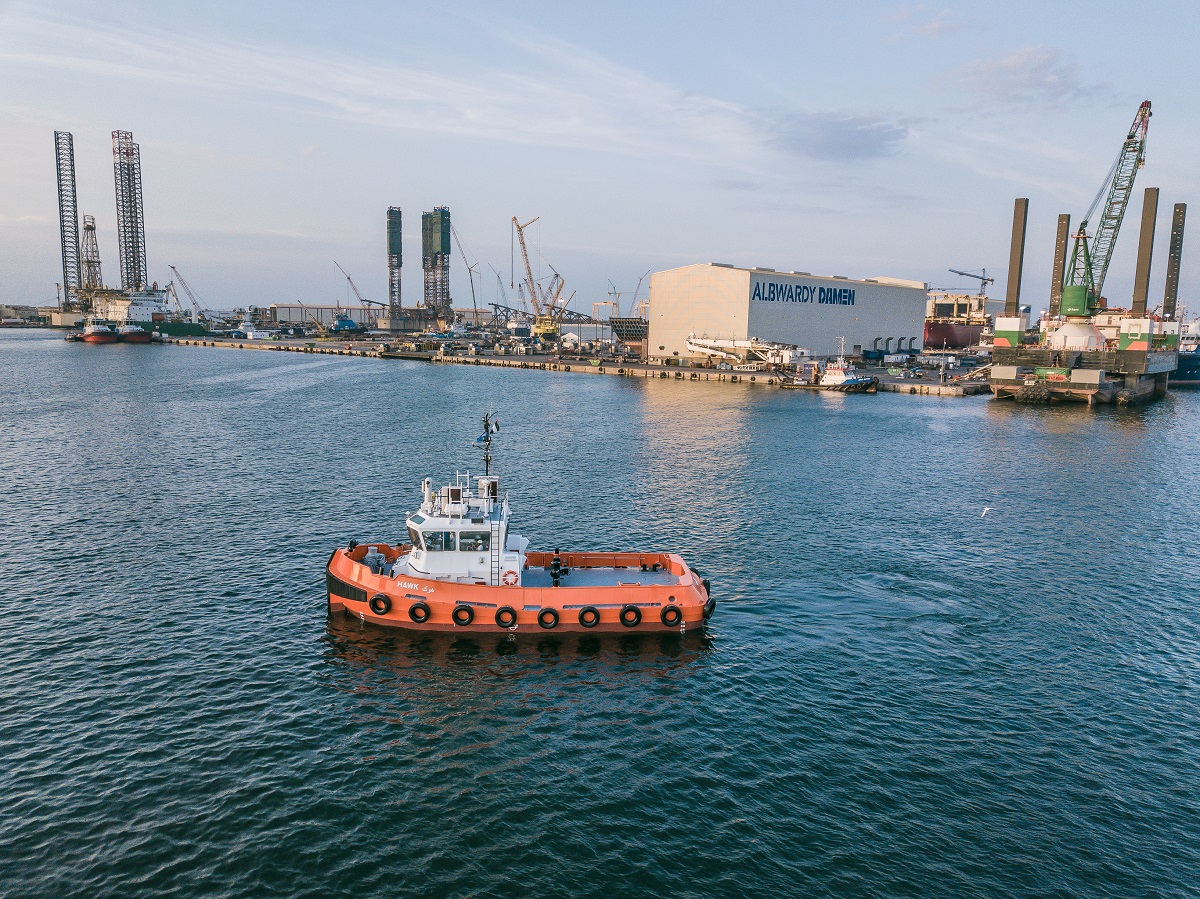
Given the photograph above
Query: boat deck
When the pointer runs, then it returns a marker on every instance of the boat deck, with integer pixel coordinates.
(600, 577)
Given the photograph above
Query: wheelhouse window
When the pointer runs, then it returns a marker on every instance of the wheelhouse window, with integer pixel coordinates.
(414, 536)
(474, 541)
(439, 541)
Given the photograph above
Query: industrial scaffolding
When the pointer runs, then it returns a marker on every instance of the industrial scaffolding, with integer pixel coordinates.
(395, 260)
(90, 274)
(435, 261)
(68, 215)
(131, 230)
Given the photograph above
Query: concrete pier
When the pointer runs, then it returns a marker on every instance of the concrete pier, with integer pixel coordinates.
(616, 367)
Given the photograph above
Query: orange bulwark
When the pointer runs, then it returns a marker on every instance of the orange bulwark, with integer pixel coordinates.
(572, 591)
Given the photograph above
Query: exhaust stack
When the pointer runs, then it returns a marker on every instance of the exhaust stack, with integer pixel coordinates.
(1141, 276)
(1016, 257)
(1060, 263)
(1171, 294)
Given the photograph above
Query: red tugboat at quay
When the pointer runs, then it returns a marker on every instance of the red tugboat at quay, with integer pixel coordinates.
(464, 571)
(97, 331)
(131, 333)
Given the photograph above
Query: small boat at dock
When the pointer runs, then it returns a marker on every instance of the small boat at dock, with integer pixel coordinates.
(464, 571)
(131, 333)
(839, 375)
(98, 331)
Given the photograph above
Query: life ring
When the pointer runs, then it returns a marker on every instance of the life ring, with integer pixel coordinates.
(709, 607)
(506, 617)
(418, 612)
(589, 616)
(511, 578)
(381, 604)
(671, 616)
(463, 615)
(548, 619)
(631, 616)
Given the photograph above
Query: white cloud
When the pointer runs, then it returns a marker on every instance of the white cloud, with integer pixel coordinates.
(923, 20)
(1030, 76)
(564, 97)
(833, 136)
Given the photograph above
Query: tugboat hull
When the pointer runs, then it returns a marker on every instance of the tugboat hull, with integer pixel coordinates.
(858, 385)
(596, 593)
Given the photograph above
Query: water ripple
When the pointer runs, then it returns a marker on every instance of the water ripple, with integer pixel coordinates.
(897, 696)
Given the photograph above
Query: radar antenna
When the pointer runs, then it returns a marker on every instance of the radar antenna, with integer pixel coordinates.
(491, 425)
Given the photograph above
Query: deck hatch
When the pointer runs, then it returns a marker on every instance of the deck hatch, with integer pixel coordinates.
(337, 587)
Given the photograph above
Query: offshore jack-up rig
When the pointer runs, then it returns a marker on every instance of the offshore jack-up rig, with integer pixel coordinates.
(1084, 350)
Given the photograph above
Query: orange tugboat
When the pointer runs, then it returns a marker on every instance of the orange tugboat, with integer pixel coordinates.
(464, 571)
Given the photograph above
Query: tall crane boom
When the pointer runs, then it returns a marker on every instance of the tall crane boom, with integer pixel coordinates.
(1089, 265)
(547, 311)
(983, 279)
(197, 309)
(363, 301)
(530, 284)
(470, 271)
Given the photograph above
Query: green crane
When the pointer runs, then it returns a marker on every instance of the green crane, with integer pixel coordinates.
(1089, 262)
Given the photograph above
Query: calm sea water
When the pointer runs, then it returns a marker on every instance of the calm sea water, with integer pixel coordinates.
(896, 696)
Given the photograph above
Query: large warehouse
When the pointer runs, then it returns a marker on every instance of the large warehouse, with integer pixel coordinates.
(725, 302)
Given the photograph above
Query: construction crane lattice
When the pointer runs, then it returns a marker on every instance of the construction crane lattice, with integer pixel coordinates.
(68, 214)
(1089, 264)
(131, 228)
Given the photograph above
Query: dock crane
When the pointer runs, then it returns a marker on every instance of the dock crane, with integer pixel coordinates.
(635, 308)
(361, 299)
(983, 279)
(616, 300)
(343, 323)
(470, 272)
(613, 307)
(547, 311)
(197, 309)
(1088, 267)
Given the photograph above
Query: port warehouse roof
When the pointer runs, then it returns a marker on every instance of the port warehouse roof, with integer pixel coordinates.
(812, 311)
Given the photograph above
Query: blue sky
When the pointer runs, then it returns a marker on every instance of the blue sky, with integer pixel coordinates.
(854, 139)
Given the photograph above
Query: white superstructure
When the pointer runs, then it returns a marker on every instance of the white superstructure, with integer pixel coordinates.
(461, 535)
(722, 302)
(143, 307)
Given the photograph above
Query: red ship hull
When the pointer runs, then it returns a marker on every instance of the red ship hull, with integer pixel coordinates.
(950, 335)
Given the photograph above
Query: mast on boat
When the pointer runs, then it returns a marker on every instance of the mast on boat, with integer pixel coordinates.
(491, 425)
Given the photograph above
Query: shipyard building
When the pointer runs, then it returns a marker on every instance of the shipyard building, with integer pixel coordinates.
(717, 301)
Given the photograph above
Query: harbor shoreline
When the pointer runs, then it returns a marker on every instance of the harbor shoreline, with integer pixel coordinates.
(618, 368)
